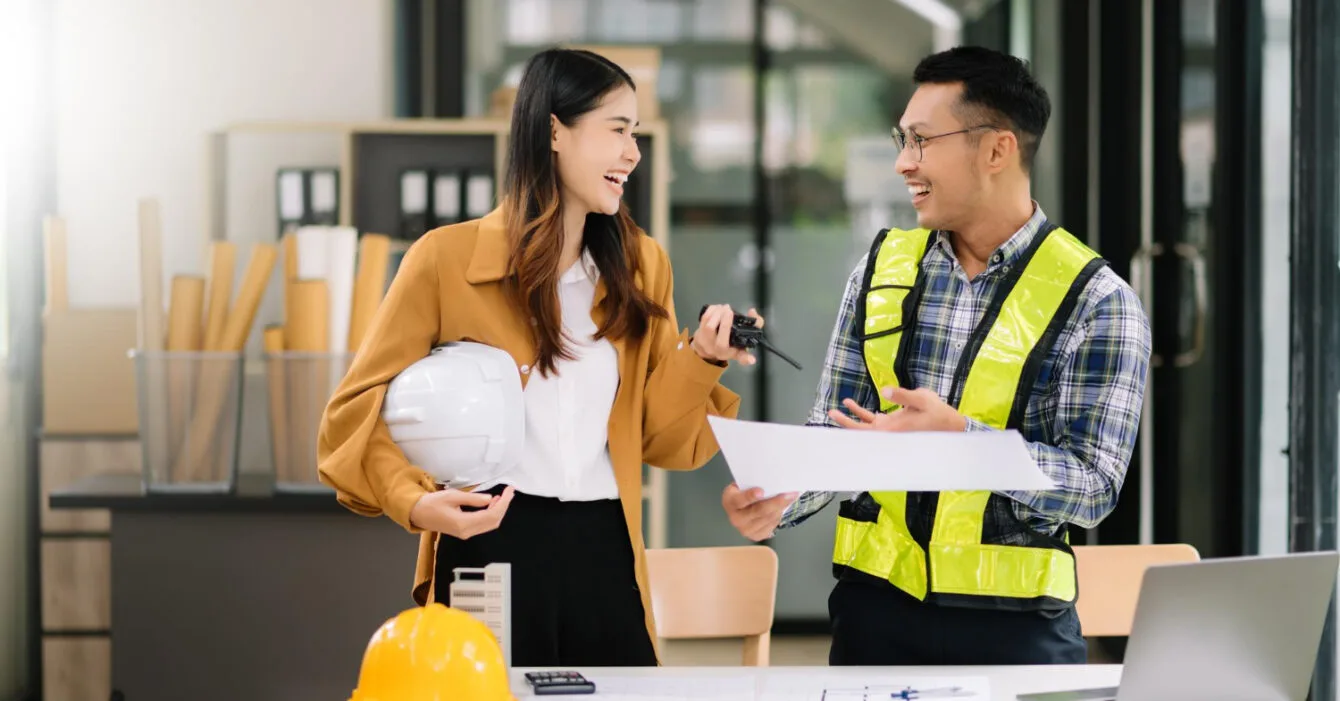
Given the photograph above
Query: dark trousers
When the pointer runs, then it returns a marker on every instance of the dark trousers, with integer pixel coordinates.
(877, 624)
(575, 601)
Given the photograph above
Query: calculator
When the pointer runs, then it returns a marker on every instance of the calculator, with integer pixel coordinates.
(560, 683)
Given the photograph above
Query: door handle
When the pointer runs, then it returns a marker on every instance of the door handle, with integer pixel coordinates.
(1142, 267)
(1142, 279)
(1192, 254)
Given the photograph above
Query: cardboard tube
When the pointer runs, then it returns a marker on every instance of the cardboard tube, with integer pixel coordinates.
(184, 308)
(273, 340)
(184, 335)
(275, 368)
(290, 256)
(57, 268)
(222, 261)
(218, 378)
(307, 338)
(151, 276)
(243, 313)
(374, 250)
(290, 267)
(307, 318)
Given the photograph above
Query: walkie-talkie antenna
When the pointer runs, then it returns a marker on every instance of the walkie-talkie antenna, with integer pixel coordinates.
(763, 343)
(745, 334)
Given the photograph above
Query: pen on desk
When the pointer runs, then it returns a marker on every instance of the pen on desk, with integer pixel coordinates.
(944, 692)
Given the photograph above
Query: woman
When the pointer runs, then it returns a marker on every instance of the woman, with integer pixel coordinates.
(561, 278)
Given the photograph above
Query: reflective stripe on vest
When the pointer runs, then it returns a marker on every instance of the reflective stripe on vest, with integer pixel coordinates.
(956, 561)
(893, 278)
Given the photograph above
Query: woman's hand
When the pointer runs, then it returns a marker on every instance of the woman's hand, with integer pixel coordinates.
(753, 516)
(442, 512)
(712, 339)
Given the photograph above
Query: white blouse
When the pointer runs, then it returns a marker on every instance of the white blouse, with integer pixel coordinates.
(566, 454)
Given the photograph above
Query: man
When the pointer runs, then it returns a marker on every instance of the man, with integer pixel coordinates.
(988, 317)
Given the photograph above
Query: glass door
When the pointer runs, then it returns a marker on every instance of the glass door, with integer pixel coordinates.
(1206, 275)
(1174, 198)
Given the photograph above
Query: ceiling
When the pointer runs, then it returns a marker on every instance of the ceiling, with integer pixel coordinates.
(892, 34)
(886, 33)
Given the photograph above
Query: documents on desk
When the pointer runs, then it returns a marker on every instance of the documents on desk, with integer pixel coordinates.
(781, 458)
(788, 687)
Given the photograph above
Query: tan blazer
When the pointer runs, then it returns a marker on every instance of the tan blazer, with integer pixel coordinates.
(448, 288)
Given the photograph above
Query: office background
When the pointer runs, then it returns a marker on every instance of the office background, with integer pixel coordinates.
(1196, 143)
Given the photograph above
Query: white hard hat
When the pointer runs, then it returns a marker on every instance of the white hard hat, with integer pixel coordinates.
(458, 414)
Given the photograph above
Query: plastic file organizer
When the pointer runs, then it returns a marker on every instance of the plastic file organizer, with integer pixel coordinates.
(486, 594)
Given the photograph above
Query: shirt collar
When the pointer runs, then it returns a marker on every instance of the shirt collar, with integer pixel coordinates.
(1011, 249)
(584, 269)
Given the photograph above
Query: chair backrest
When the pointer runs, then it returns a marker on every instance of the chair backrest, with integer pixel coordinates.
(724, 592)
(1109, 582)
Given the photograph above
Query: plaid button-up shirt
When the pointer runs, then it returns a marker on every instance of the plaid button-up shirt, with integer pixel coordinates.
(1083, 414)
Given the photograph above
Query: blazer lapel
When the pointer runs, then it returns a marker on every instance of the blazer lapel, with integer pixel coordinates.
(488, 263)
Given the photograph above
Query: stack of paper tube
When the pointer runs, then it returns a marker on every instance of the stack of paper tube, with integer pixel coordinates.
(327, 310)
(202, 317)
(328, 306)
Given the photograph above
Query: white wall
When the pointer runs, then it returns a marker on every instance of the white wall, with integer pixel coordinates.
(123, 92)
(139, 82)
(25, 193)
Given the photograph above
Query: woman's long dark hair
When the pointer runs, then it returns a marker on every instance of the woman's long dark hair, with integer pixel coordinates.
(567, 84)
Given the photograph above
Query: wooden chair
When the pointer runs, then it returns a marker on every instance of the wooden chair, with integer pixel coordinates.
(725, 592)
(1109, 582)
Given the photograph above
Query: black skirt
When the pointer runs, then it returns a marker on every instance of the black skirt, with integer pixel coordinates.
(575, 600)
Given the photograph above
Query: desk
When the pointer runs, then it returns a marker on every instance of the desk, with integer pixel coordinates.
(1005, 682)
(256, 595)
(265, 596)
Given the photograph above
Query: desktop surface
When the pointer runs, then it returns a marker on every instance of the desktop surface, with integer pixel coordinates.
(789, 683)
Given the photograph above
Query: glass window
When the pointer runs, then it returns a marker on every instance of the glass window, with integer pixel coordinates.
(722, 132)
(640, 21)
(723, 20)
(1276, 205)
(535, 22)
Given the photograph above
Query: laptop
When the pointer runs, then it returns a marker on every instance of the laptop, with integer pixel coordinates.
(1229, 629)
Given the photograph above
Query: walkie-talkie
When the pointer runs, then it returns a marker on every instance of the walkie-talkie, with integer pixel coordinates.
(745, 334)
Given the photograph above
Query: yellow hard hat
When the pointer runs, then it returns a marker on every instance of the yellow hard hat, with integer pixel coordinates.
(433, 653)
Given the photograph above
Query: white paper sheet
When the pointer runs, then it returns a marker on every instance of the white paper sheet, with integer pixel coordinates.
(313, 253)
(782, 458)
(342, 251)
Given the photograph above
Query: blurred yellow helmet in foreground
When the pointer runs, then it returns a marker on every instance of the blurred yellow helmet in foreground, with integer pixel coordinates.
(433, 653)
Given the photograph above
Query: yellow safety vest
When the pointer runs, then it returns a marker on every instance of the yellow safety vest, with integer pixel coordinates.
(975, 552)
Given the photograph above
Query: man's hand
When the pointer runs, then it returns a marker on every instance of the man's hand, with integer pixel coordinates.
(442, 512)
(753, 516)
(920, 410)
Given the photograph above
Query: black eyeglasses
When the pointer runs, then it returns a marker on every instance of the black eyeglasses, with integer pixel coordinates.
(918, 141)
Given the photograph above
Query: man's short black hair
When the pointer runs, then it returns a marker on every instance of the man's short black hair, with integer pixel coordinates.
(998, 89)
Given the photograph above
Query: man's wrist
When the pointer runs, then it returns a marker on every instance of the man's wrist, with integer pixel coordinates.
(970, 424)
